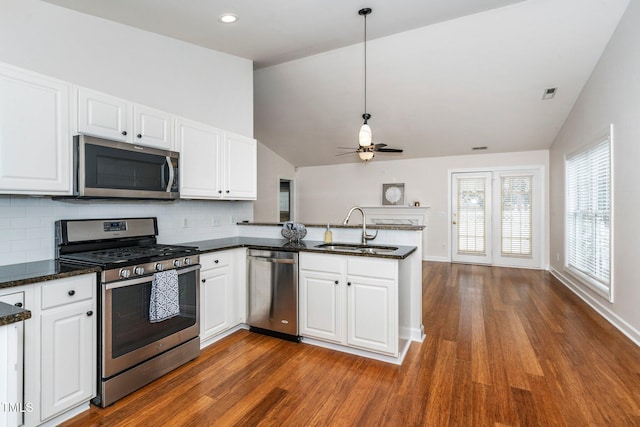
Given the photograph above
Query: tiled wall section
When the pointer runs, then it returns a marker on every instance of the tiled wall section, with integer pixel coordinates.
(27, 223)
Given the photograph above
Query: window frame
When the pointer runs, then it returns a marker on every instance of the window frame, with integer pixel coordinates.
(604, 290)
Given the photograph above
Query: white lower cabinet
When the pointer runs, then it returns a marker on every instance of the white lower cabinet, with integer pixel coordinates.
(57, 352)
(12, 364)
(350, 300)
(221, 292)
(68, 344)
(10, 394)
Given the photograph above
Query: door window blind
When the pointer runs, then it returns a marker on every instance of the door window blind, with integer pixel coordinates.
(471, 216)
(589, 212)
(516, 215)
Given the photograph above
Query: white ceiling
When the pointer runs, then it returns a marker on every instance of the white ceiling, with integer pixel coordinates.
(443, 76)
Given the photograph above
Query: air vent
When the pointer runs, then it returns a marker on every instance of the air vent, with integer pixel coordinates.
(549, 93)
(479, 148)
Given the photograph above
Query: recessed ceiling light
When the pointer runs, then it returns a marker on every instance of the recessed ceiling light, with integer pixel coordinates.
(228, 18)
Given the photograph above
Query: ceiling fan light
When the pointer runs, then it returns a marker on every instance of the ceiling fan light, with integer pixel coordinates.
(365, 136)
(366, 155)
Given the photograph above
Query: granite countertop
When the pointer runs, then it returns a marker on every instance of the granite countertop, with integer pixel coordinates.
(11, 314)
(400, 227)
(38, 271)
(284, 245)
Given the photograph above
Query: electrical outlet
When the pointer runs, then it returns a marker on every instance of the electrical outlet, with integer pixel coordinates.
(557, 257)
(215, 222)
(185, 223)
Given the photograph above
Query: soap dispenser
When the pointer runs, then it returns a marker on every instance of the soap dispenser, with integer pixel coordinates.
(328, 235)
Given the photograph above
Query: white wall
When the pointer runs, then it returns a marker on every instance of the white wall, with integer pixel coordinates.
(271, 168)
(612, 95)
(187, 80)
(325, 193)
(27, 223)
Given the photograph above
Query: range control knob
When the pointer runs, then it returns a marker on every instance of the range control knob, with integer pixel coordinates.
(124, 273)
(139, 271)
(177, 263)
(159, 267)
(187, 261)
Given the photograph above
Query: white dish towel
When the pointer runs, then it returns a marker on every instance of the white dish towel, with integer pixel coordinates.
(165, 296)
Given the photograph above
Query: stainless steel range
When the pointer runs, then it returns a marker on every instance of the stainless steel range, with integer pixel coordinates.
(134, 349)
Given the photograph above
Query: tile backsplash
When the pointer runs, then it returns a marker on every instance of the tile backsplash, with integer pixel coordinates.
(27, 223)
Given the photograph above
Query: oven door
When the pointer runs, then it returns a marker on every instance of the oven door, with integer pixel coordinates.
(117, 169)
(128, 337)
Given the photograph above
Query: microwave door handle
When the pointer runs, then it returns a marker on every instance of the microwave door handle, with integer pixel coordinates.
(171, 175)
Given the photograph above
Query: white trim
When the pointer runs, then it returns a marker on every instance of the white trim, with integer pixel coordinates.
(437, 258)
(619, 323)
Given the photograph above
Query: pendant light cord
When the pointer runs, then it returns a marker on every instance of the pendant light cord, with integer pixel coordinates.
(365, 63)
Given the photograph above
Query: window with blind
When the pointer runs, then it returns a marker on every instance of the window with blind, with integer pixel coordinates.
(588, 228)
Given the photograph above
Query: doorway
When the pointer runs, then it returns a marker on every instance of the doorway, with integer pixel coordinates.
(496, 217)
(285, 200)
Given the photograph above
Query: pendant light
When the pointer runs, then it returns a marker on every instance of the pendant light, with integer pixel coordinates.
(365, 135)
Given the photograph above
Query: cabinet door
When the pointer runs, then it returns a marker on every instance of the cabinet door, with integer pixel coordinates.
(10, 394)
(103, 115)
(241, 167)
(68, 365)
(152, 127)
(200, 148)
(11, 363)
(321, 305)
(35, 138)
(372, 315)
(216, 296)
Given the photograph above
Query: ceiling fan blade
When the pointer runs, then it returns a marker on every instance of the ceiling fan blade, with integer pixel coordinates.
(346, 148)
(390, 150)
(376, 146)
(349, 152)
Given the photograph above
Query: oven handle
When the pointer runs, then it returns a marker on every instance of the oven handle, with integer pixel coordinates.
(171, 175)
(133, 282)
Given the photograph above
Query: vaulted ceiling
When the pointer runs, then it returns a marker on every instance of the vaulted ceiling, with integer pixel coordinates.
(442, 76)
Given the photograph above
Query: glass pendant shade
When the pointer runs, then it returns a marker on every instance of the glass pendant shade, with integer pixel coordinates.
(365, 136)
(366, 155)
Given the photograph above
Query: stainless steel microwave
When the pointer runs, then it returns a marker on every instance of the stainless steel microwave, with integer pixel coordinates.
(112, 169)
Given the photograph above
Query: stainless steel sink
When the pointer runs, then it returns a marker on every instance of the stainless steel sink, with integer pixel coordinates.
(353, 247)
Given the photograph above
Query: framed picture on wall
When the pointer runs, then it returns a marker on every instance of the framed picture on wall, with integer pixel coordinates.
(392, 194)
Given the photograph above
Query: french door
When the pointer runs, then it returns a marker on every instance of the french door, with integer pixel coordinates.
(496, 218)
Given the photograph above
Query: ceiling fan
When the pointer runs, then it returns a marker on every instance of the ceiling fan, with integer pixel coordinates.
(366, 146)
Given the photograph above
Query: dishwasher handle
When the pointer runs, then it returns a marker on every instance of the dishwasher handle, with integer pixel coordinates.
(273, 260)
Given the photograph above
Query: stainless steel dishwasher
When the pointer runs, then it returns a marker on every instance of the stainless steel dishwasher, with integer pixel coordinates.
(273, 293)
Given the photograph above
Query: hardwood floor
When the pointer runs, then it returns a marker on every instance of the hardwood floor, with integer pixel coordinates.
(504, 347)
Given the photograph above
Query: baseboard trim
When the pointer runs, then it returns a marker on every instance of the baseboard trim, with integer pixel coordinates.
(619, 323)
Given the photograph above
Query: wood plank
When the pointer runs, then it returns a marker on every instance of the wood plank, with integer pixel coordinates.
(504, 346)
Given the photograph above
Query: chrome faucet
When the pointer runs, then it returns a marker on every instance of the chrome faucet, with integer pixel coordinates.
(365, 236)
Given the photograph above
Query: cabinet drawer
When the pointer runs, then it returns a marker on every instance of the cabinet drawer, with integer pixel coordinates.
(372, 267)
(321, 262)
(215, 260)
(67, 291)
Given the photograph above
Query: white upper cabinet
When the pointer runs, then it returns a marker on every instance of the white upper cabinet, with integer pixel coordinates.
(103, 115)
(152, 127)
(215, 164)
(241, 167)
(35, 138)
(113, 118)
(200, 149)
